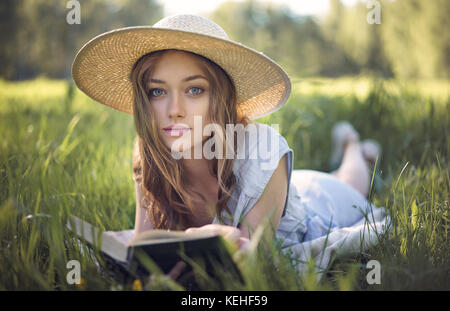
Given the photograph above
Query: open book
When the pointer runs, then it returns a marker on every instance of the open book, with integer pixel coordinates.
(132, 256)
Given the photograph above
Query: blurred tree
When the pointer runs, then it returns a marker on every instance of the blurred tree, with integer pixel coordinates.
(296, 42)
(359, 42)
(417, 39)
(338, 62)
(411, 41)
(10, 19)
(36, 38)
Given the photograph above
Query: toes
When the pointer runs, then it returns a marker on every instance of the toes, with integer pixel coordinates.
(371, 149)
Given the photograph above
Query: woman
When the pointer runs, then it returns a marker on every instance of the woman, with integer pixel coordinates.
(183, 70)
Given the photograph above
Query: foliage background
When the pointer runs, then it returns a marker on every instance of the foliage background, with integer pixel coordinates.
(412, 40)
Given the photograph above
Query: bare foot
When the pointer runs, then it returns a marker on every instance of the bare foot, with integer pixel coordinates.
(342, 134)
(371, 150)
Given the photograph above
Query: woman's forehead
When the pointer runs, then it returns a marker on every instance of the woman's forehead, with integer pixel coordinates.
(178, 64)
(184, 57)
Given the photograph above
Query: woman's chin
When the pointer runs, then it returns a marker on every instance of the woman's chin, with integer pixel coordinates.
(186, 149)
(183, 151)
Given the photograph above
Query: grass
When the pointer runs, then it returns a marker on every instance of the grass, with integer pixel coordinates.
(63, 154)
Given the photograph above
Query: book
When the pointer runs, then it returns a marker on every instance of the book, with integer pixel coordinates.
(129, 257)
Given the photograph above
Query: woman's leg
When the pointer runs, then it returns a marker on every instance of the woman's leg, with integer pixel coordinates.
(354, 169)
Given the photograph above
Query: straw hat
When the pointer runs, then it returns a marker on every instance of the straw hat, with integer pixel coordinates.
(102, 67)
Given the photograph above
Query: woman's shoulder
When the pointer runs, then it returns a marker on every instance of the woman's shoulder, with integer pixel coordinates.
(261, 144)
(259, 154)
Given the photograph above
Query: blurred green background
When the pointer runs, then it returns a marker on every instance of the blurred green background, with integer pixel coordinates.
(412, 40)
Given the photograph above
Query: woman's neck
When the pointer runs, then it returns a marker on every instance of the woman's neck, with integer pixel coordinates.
(197, 170)
(200, 180)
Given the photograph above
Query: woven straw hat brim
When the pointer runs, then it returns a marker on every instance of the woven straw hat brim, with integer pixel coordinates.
(102, 67)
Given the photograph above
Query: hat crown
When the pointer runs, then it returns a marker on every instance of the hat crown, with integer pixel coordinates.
(192, 23)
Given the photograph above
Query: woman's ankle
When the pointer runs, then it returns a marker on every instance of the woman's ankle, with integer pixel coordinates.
(354, 146)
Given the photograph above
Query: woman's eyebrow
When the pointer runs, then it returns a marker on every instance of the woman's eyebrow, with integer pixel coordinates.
(184, 80)
(194, 77)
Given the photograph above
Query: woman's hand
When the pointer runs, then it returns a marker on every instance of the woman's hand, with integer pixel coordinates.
(229, 233)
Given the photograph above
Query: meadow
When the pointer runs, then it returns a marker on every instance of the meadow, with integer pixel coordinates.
(61, 154)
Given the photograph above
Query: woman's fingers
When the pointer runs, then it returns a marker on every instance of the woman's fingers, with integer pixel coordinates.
(174, 273)
(233, 234)
(244, 244)
(176, 270)
(228, 232)
(190, 230)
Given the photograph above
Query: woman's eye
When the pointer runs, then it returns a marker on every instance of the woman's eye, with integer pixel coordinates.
(195, 90)
(156, 92)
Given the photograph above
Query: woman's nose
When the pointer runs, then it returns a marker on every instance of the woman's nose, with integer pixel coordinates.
(176, 106)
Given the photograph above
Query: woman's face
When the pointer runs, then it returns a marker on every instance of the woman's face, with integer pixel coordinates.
(178, 92)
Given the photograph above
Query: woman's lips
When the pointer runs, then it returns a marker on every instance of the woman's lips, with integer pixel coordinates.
(176, 132)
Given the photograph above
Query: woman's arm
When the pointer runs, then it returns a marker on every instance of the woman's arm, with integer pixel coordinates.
(141, 223)
(270, 205)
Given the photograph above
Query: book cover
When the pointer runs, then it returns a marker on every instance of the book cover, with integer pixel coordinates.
(129, 257)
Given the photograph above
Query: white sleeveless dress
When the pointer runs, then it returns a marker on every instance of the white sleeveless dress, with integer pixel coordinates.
(317, 202)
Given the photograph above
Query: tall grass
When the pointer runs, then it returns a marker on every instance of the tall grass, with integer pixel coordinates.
(63, 154)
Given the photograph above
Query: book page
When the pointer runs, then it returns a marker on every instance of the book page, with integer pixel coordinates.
(114, 247)
(83, 229)
(124, 236)
(112, 244)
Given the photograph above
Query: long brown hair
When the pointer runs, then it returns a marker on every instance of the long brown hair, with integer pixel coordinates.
(166, 196)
